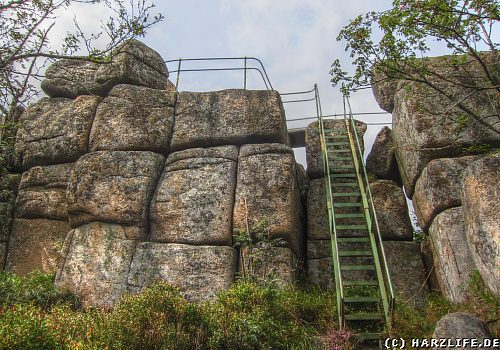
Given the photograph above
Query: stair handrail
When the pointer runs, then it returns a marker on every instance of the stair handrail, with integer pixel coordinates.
(245, 68)
(331, 214)
(388, 301)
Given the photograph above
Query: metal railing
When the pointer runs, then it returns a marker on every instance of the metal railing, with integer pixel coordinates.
(381, 267)
(245, 68)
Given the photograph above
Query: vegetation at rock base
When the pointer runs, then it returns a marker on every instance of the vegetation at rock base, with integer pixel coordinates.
(465, 28)
(34, 315)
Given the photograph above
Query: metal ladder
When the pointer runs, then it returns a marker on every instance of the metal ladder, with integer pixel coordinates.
(365, 296)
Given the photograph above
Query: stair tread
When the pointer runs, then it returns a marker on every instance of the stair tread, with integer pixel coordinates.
(353, 239)
(336, 143)
(345, 216)
(361, 299)
(358, 267)
(363, 317)
(350, 175)
(345, 194)
(347, 204)
(339, 150)
(351, 227)
(360, 283)
(345, 184)
(356, 253)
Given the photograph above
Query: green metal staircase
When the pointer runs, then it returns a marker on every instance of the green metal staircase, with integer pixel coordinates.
(365, 297)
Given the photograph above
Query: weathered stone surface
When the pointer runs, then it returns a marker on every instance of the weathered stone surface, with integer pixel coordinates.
(320, 272)
(382, 159)
(9, 184)
(228, 117)
(481, 208)
(54, 131)
(392, 212)
(459, 325)
(3, 255)
(425, 127)
(438, 188)
(36, 245)
(302, 180)
(407, 271)
(426, 251)
(97, 264)
(42, 193)
(6, 209)
(452, 259)
(384, 89)
(277, 264)
(114, 186)
(198, 271)
(133, 63)
(193, 203)
(134, 118)
(313, 147)
(267, 193)
(319, 248)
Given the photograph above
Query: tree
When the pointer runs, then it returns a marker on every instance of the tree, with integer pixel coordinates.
(26, 45)
(465, 27)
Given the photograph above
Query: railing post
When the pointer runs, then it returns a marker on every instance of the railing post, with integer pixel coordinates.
(178, 74)
(245, 75)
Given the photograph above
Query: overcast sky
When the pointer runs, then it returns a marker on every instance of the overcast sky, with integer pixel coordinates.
(295, 39)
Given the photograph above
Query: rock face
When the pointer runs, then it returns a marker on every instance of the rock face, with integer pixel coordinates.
(199, 271)
(392, 212)
(54, 131)
(114, 186)
(36, 245)
(278, 264)
(382, 158)
(228, 117)
(317, 216)
(267, 194)
(97, 263)
(452, 259)
(132, 63)
(42, 193)
(407, 272)
(425, 127)
(8, 191)
(481, 209)
(459, 325)
(438, 188)
(193, 203)
(313, 146)
(134, 118)
(384, 89)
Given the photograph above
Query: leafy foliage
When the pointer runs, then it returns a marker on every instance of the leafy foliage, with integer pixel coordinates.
(465, 27)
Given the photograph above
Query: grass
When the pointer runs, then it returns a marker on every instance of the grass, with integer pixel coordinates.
(35, 315)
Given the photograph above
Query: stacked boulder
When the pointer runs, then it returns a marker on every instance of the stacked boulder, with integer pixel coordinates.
(454, 190)
(127, 182)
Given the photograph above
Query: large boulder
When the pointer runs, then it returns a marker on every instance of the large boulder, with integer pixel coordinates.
(453, 262)
(438, 188)
(6, 210)
(198, 271)
(315, 168)
(42, 193)
(267, 194)
(132, 63)
(320, 263)
(97, 263)
(193, 203)
(114, 186)
(392, 212)
(407, 272)
(9, 184)
(36, 245)
(264, 262)
(383, 88)
(381, 160)
(228, 117)
(428, 125)
(54, 131)
(134, 118)
(481, 208)
(466, 328)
